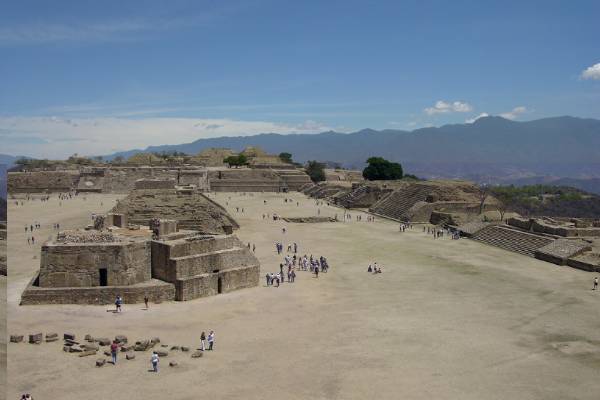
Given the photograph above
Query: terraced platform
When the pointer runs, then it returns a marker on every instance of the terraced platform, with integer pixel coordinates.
(512, 239)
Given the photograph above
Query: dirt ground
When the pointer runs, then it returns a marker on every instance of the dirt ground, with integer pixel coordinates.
(448, 319)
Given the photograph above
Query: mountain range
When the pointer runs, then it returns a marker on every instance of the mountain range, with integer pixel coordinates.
(491, 146)
(492, 149)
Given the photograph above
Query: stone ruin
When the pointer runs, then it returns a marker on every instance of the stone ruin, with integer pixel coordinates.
(575, 243)
(187, 251)
(192, 211)
(100, 346)
(122, 179)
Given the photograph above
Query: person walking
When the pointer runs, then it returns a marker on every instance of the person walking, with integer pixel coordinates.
(154, 360)
(114, 348)
(595, 283)
(211, 340)
(146, 301)
(118, 302)
(202, 341)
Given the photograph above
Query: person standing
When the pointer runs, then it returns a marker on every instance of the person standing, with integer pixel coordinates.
(114, 348)
(595, 283)
(211, 340)
(202, 341)
(146, 301)
(154, 360)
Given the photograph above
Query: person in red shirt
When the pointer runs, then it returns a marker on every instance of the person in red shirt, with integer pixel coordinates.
(114, 349)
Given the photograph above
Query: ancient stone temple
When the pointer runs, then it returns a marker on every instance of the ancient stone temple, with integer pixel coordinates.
(157, 243)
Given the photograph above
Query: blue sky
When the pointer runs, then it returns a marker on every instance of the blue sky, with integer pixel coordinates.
(96, 77)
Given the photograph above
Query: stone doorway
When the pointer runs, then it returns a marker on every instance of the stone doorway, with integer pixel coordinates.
(103, 272)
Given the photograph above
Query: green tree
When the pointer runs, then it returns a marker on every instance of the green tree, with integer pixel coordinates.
(316, 171)
(236, 161)
(286, 158)
(381, 169)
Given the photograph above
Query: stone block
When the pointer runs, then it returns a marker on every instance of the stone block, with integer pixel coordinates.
(16, 338)
(142, 346)
(130, 356)
(185, 348)
(51, 339)
(103, 341)
(36, 338)
(121, 339)
(162, 353)
(173, 363)
(69, 336)
(175, 348)
(91, 346)
(107, 353)
(197, 354)
(88, 338)
(87, 353)
(127, 347)
(75, 349)
(100, 362)
(51, 335)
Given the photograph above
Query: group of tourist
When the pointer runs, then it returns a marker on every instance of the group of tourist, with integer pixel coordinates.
(405, 226)
(376, 269)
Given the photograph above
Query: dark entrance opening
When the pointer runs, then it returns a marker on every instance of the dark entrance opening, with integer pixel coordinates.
(103, 277)
(219, 281)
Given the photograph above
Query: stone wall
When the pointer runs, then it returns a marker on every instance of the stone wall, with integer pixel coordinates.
(204, 266)
(209, 284)
(154, 184)
(78, 265)
(42, 181)
(156, 290)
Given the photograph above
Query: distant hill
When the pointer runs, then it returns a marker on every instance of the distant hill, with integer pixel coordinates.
(8, 160)
(489, 147)
(2, 192)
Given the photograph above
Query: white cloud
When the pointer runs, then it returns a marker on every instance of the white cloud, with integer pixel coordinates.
(471, 120)
(442, 107)
(55, 137)
(592, 72)
(514, 113)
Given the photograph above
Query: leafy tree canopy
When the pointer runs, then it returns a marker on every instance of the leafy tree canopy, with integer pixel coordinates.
(381, 169)
(286, 157)
(236, 161)
(316, 171)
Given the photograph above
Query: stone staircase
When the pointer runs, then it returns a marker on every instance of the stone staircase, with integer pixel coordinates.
(348, 200)
(397, 204)
(512, 239)
(293, 178)
(193, 212)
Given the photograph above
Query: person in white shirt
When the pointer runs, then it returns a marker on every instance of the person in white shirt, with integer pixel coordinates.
(154, 359)
(211, 340)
